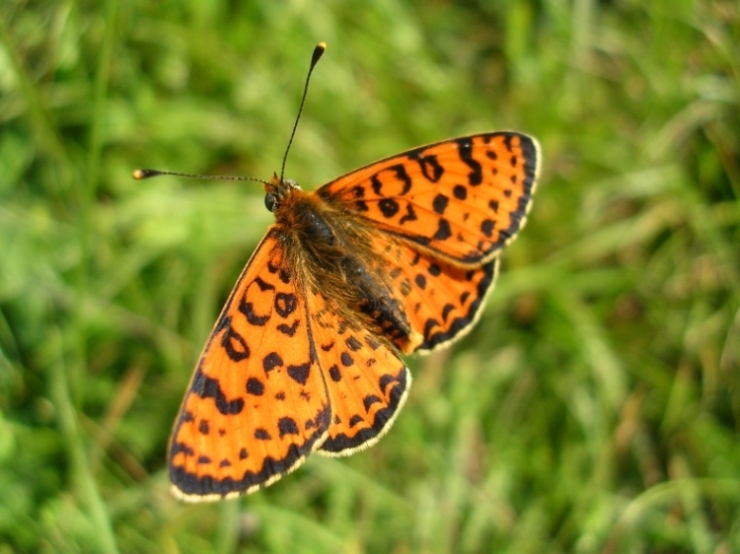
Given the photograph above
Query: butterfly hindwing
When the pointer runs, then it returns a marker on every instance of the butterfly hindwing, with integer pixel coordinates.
(441, 301)
(462, 200)
(257, 404)
(367, 381)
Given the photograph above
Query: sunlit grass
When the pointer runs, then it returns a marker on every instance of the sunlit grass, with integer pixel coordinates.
(596, 406)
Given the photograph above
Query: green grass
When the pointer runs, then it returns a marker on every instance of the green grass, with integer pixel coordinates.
(595, 408)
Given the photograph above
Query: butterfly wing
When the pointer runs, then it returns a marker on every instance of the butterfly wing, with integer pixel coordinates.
(441, 301)
(462, 200)
(257, 404)
(367, 381)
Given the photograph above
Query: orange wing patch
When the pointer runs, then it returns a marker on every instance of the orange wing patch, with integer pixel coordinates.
(257, 404)
(441, 301)
(463, 199)
(367, 381)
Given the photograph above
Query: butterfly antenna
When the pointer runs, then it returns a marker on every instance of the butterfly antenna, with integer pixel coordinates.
(315, 57)
(141, 174)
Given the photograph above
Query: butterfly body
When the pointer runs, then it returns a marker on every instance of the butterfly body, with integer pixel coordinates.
(328, 247)
(393, 258)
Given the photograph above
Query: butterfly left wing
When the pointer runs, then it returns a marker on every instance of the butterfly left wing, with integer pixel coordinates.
(367, 381)
(440, 301)
(257, 404)
(463, 200)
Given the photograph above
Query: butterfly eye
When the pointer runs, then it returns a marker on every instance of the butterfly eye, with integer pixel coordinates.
(270, 201)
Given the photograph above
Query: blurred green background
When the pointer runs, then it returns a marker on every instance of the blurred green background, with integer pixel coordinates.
(595, 408)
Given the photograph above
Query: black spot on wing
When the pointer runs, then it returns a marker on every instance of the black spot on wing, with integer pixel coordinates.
(287, 426)
(446, 311)
(271, 361)
(410, 215)
(255, 387)
(377, 184)
(353, 344)
(231, 341)
(507, 141)
(487, 226)
(439, 204)
(430, 167)
(262, 434)
(206, 387)
(285, 303)
(335, 374)
(289, 330)
(402, 176)
(299, 373)
(180, 448)
(247, 308)
(369, 400)
(388, 207)
(443, 230)
(385, 381)
(465, 150)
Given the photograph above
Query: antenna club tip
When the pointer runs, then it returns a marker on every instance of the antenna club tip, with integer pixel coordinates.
(318, 52)
(141, 174)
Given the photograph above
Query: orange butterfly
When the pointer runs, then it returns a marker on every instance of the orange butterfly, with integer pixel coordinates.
(393, 258)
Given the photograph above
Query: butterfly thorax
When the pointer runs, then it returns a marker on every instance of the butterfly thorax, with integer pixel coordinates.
(329, 247)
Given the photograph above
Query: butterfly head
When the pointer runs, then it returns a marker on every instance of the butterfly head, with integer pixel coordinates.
(276, 190)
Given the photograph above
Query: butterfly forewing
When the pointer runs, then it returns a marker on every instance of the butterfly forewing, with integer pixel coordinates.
(462, 200)
(257, 404)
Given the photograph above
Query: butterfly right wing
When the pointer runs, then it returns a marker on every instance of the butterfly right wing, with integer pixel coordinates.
(462, 200)
(257, 404)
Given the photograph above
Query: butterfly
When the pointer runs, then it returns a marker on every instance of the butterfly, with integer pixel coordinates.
(393, 258)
